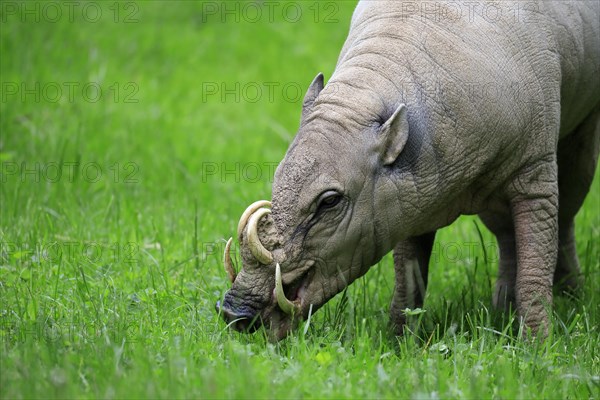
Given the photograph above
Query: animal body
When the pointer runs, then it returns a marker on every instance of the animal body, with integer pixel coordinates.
(424, 119)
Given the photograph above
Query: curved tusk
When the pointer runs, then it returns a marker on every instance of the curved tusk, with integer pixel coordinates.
(256, 248)
(229, 267)
(251, 209)
(286, 306)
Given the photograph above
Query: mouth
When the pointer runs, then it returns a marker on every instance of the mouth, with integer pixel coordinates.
(295, 291)
(263, 248)
(284, 311)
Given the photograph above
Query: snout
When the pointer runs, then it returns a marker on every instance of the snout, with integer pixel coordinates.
(242, 321)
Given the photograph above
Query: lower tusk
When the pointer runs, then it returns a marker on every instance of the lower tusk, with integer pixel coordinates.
(286, 306)
(251, 209)
(256, 248)
(229, 268)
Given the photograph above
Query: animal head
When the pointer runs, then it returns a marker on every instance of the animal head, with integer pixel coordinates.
(330, 218)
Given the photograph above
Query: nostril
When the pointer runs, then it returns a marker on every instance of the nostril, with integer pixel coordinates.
(227, 314)
(237, 315)
(239, 322)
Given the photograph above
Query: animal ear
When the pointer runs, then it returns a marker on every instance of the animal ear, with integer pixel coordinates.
(393, 135)
(311, 95)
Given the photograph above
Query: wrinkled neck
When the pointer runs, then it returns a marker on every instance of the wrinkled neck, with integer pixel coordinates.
(352, 98)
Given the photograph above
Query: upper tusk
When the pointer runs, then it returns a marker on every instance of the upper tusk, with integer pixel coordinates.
(249, 211)
(229, 267)
(256, 248)
(286, 306)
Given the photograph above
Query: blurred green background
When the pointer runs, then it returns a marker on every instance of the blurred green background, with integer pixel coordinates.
(133, 135)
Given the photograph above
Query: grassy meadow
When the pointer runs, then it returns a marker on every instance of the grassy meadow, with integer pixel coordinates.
(133, 135)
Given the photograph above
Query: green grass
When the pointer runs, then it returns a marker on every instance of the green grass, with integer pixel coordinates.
(108, 283)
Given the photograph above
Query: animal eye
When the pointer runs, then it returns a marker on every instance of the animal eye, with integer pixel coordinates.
(328, 199)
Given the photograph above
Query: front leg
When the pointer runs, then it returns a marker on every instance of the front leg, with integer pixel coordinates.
(411, 264)
(534, 201)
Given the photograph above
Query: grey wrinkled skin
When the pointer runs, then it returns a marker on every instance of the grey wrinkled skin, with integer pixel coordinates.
(405, 136)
